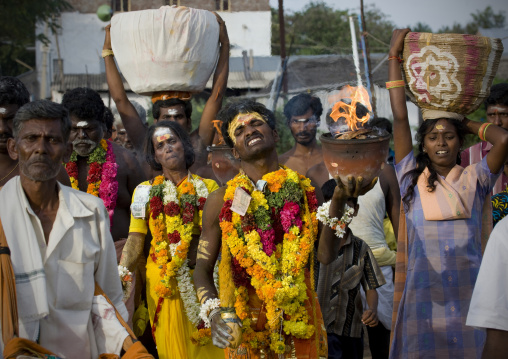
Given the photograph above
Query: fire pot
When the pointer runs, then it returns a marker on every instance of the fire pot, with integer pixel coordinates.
(224, 165)
(355, 157)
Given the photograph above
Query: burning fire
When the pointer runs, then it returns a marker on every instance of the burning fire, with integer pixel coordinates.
(217, 124)
(342, 109)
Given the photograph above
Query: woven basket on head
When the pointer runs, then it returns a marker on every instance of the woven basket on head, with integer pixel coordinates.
(450, 72)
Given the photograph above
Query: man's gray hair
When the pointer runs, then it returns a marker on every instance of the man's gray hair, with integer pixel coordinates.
(42, 110)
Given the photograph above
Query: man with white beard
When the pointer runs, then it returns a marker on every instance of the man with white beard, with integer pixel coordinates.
(99, 167)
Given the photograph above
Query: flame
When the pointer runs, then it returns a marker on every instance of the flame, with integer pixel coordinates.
(217, 124)
(341, 109)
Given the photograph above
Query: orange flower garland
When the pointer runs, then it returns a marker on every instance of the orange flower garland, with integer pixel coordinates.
(171, 223)
(276, 270)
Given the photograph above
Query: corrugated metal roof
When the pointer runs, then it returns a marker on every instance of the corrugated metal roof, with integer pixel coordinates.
(96, 82)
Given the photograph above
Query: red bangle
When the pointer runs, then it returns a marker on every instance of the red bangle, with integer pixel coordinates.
(481, 131)
(395, 58)
(394, 84)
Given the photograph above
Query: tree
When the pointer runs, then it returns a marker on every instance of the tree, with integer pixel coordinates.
(420, 27)
(18, 19)
(379, 29)
(316, 30)
(319, 29)
(486, 19)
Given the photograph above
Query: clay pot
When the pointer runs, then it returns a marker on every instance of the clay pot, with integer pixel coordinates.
(224, 165)
(355, 157)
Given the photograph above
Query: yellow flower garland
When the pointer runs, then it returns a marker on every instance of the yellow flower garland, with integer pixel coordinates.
(160, 227)
(279, 279)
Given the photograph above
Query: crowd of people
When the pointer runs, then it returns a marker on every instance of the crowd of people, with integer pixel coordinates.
(284, 261)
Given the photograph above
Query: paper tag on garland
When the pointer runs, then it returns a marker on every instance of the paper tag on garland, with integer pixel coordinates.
(241, 201)
(138, 206)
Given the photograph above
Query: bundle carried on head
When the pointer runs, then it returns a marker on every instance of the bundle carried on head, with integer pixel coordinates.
(449, 75)
(173, 49)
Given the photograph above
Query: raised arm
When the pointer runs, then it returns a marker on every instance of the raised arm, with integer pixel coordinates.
(329, 244)
(498, 137)
(401, 130)
(220, 81)
(134, 126)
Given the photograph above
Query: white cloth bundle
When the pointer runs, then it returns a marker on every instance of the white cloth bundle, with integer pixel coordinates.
(169, 49)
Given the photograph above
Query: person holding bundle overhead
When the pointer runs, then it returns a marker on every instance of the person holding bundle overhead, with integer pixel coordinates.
(439, 243)
(199, 45)
(170, 206)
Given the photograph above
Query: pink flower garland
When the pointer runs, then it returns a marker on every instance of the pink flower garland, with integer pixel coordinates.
(268, 240)
(108, 190)
(290, 215)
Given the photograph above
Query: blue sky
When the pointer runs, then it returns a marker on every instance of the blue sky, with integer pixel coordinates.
(435, 13)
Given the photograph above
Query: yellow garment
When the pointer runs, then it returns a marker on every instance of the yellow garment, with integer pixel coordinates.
(140, 320)
(384, 256)
(173, 329)
(389, 234)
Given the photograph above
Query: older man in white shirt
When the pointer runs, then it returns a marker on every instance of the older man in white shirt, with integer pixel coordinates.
(59, 238)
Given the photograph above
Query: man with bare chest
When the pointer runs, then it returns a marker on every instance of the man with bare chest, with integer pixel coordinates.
(100, 167)
(302, 116)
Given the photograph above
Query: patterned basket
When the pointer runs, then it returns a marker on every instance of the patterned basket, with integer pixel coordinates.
(450, 72)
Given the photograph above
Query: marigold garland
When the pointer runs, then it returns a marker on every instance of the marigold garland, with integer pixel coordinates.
(276, 269)
(101, 176)
(171, 223)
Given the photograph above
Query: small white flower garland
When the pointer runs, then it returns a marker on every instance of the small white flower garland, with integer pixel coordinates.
(323, 215)
(206, 308)
(188, 294)
(185, 284)
(126, 279)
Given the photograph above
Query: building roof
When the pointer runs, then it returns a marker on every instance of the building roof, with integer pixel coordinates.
(304, 72)
(96, 82)
(497, 33)
(330, 71)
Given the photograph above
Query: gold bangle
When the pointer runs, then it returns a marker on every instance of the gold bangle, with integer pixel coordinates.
(106, 52)
(485, 131)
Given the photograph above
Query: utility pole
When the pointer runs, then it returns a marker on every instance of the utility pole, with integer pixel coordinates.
(367, 53)
(282, 36)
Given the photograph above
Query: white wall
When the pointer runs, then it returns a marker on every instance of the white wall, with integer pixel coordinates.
(249, 30)
(82, 36)
(80, 40)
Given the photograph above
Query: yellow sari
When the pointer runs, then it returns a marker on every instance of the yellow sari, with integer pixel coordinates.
(173, 330)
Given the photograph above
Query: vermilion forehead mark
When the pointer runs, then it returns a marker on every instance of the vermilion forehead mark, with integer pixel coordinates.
(162, 133)
(163, 138)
